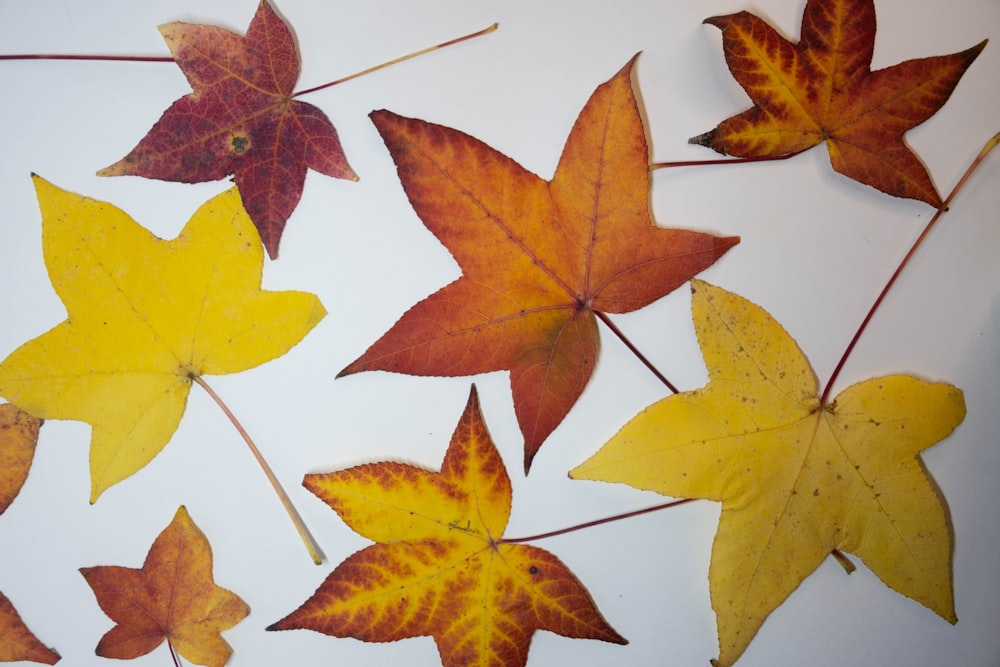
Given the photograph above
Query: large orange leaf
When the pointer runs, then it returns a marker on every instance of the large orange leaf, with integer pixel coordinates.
(439, 567)
(172, 596)
(538, 257)
(18, 437)
(17, 642)
(241, 120)
(823, 89)
(797, 478)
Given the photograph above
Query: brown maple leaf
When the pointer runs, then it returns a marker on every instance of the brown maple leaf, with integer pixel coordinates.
(440, 567)
(241, 119)
(823, 89)
(539, 258)
(18, 437)
(172, 597)
(17, 642)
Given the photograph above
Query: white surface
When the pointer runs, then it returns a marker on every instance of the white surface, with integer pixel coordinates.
(816, 249)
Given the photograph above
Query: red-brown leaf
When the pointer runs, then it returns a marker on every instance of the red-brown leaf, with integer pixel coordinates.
(241, 119)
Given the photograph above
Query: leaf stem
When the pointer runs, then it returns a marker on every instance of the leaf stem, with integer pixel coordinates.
(173, 654)
(597, 522)
(623, 338)
(990, 145)
(58, 56)
(307, 538)
(703, 163)
(398, 60)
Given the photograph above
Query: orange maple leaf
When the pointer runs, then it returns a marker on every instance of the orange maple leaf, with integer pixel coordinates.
(241, 119)
(823, 89)
(539, 258)
(440, 567)
(172, 597)
(17, 642)
(18, 437)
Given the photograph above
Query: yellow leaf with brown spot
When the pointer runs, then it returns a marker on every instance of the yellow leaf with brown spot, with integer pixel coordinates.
(797, 479)
(440, 567)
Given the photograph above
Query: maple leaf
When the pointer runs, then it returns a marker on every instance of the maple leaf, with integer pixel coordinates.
(172, 596)
(241, 119)
(439, 568)
(796, 478)
(823, 89)
(17, 642)
(18, 437)
(538, 257)
(145, 318)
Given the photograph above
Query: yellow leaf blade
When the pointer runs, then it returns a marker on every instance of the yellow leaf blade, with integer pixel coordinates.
(796, 479)
(145, 316)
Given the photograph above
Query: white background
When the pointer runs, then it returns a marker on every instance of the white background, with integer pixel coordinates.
(816, 249)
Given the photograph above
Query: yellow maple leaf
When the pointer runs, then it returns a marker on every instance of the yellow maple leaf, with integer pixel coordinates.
(797, 479)
(146, 317)
(440, 567)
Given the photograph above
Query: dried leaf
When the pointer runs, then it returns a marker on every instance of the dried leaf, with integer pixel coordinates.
(241, 119)
(823, 89)
(438, 568)
(18, 437)
(538, 258)
(172, 596)
(145, 317)
(796, 478)
(16, 640)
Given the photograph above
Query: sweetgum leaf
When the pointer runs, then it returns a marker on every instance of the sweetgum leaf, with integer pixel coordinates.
(538, 257)
(797, 479)
(145, 317)
(823, 89)
(438, 568)
(172, 596)
(17, 642)
(18, 437)
(241, 119)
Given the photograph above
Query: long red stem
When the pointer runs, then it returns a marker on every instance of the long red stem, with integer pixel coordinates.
(737, 160)
(634, 350)
(990, 145)
(597, 522)
(56, 56)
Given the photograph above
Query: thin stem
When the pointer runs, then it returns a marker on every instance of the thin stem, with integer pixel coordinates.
(990, 145)
(703, 163)
(623, 338)
(307, 539)
(173, 654)
(597, 522)
(57, 56)
(843, 561)
(398, 60)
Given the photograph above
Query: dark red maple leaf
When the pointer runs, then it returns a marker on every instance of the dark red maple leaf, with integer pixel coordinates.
(241, 119)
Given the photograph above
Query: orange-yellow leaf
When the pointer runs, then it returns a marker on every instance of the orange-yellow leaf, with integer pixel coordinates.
(538, 258)
(16, 640)
(172, 596)
(18, 437)
(241, 119)
(144, 317)
(439, 568)
(797, 479)
(823, 89)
